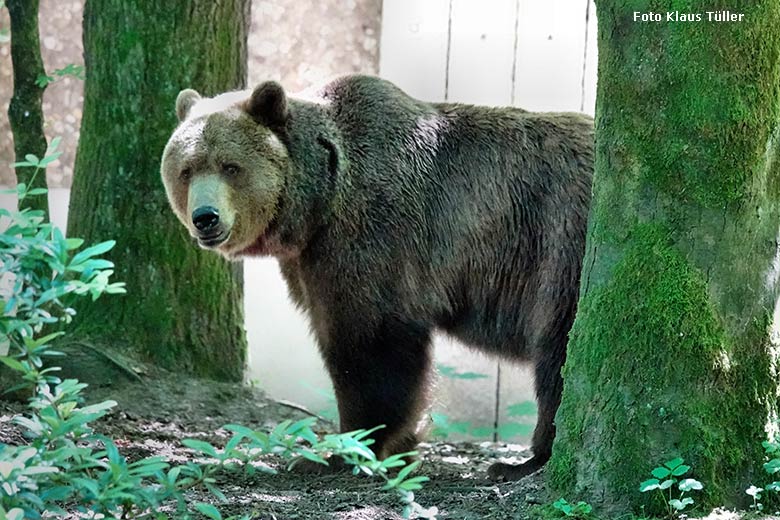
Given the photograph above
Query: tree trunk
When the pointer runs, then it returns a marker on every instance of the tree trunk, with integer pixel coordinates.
(673, 352)
(183, 308)
(25, 112)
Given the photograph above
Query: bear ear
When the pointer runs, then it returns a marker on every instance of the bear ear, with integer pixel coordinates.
(268, 104)
(184, 102)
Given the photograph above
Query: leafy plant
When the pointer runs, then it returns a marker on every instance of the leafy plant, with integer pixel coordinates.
(73, 70)
(66, 462)
(580, 510)
(296, 441)
(40, 271)
(755, 493)
(665, 477)
(772, 466)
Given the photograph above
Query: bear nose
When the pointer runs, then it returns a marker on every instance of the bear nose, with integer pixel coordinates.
(205, 218)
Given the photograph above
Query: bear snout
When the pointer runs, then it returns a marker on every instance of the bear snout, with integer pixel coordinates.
(210, 230)
(205, 219)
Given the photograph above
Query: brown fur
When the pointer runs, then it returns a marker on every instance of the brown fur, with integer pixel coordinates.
(393, 218)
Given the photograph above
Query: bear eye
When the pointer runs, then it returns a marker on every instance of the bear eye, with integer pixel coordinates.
(185, 174)
(230, 169)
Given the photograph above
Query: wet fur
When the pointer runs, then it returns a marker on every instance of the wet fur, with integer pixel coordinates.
(399, 218)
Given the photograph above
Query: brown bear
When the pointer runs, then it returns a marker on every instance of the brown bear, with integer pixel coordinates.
(392, 219)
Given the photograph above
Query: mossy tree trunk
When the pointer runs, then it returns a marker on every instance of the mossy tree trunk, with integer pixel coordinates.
(25, 111)
(183, 307)
(673, 351)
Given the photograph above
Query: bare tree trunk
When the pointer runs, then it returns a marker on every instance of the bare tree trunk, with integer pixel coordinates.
(25, 112)
(183, 308)
(672, 352)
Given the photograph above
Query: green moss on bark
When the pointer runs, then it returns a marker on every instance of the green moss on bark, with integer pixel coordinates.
(183, 308)
(659, 374)
(670, 354)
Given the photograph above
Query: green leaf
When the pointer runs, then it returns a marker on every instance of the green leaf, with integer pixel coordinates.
(680, 470)
(408, 469)
(53, 145)
(666, 484)
(15, 514)
(679, 505)
(200, 446)
(42, 80)
(95, 250)
(208, 510)
(310, 455)
(773, 466)
(32, 158)
(413, 483)
(73, 243)
(98, 407)
(690, 484)
(649, 485)
(12, 363)
(49, 159)
(674, 463)
(35, 343)
(660, 472)
(216, 492)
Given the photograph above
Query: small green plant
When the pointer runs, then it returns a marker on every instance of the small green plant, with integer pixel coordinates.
(73, 70)
(755, 493)
(664, 478)
(580, 510)
(296, 441)
(772, 466)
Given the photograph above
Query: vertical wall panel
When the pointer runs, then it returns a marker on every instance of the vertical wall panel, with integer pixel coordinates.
(550, 49)
(413, 46)
(481, 57)
(591, 61)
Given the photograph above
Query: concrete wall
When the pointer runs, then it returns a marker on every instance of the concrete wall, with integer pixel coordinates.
(527, 53)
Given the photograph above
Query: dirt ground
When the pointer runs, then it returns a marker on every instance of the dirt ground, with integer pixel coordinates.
(155, 414)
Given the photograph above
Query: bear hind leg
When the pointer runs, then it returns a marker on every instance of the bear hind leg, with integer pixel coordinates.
(549, 385)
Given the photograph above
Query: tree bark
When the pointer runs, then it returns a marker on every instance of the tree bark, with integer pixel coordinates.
(183, 308)
(674, 350)
(25, 111)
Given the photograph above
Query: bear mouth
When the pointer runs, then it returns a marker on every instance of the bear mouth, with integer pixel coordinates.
(212, 241)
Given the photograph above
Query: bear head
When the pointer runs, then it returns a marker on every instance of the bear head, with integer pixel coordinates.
(224, 169)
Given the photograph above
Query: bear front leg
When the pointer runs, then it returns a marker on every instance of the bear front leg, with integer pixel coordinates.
(380, 375)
